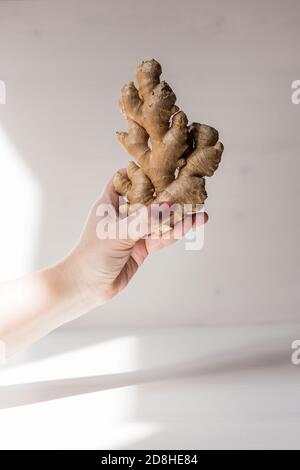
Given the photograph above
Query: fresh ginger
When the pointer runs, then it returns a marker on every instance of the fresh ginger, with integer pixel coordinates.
(172, 157)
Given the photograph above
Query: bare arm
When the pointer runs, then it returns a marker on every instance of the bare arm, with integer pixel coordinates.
(94, 272)
(35, 305)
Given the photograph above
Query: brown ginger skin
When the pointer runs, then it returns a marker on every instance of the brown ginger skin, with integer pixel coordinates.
(192, 152)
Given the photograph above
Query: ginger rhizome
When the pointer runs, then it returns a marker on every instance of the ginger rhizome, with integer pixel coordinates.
(172, 158)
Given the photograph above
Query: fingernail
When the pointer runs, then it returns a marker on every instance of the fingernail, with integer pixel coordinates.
(168, 203)
(203, 215)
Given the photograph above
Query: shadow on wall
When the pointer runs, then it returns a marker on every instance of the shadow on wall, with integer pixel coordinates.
(61, 113)
(207, 356)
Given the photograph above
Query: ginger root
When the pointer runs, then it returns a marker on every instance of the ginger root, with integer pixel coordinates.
(172, 157)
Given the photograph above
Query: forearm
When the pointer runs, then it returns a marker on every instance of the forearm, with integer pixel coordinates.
(33, 306)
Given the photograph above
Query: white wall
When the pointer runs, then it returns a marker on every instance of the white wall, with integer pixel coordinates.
(231, 64)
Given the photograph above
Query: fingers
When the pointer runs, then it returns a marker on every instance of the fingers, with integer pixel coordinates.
(200, 219)
(189, 222)
(146, 220)
(149, 219)
(178, 232)
(109, 194)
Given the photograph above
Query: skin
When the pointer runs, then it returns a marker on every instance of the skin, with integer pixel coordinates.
(92, 274)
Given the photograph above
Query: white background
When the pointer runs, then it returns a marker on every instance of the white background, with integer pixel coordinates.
(231, 64)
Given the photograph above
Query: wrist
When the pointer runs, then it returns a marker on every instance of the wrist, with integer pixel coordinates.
(66, 282)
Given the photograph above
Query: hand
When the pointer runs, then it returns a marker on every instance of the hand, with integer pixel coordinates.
(103, 268)
(94, 272)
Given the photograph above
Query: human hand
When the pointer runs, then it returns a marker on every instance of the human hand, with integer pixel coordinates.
(103, 268)
(95, 271)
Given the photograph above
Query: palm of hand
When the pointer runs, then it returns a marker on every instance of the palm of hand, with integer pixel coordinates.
(109, 265)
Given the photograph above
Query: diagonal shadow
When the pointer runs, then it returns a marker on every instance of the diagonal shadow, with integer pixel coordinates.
(232, 362)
